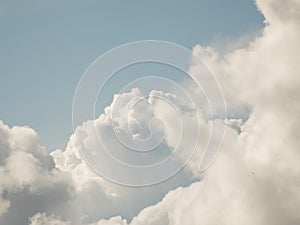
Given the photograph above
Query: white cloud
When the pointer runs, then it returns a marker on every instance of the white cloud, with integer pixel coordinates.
(28, 180)
(97, 197)
(255, 180)
(112, 221)
(61, 187)
(43, 219)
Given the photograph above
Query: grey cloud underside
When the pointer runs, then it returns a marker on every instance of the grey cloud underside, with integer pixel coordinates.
(255, 179)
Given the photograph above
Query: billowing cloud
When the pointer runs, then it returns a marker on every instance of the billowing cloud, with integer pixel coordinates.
(61, 188)
(29, 181)
(99, 198)
(255, 179)
(43, 219)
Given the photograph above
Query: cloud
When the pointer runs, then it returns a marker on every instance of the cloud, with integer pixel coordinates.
(61, 188)
(99, 198)
(29, 182)
(43, 219)
(255, 179)
(274, 14)
(112, 221)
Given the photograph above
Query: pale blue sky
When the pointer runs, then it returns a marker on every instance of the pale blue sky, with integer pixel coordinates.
(45, 46)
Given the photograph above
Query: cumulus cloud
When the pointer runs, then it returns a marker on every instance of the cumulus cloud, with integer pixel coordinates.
(255, 179)
(99, 198)
(29, 181)
(43, 219)
(61, 188)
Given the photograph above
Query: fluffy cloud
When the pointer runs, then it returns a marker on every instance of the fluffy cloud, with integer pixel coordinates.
(255, 180)
(98, 198)
(29, 181)
(43, 219)
(60, 188)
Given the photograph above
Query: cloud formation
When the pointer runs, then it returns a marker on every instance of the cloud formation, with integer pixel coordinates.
(255, 179)
(61, 189)
(29, 180)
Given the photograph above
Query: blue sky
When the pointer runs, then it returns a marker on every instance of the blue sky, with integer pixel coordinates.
(46, 46)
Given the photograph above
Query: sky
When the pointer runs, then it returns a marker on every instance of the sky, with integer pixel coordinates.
(221, 147)
(46, 47)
